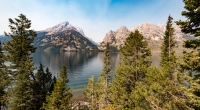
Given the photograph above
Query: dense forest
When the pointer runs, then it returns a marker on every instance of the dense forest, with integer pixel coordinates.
(137, 85)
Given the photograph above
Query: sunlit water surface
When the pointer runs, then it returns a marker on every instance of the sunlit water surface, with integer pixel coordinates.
(80, 66)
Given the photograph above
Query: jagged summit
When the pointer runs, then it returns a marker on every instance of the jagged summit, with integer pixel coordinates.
(115, 38)
(110, 36)
(154, 33)
(122, 29)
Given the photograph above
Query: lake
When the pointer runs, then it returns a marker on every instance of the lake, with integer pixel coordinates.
(80, 66)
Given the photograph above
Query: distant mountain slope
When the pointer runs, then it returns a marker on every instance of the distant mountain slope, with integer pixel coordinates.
(63, 37)
(153, 33)
(64, 26)
(4, 38)
(156, 31)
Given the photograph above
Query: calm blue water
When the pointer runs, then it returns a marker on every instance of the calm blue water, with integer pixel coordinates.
(80, 66)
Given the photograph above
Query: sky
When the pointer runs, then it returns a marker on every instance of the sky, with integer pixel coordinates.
(95, 17)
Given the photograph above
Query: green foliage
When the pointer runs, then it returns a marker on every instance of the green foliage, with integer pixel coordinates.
(132, 69)
(167, 52)
(194, 92)
(98, 93)
(158, 92)
(190, 69)
(19, 50)
(190, 65)
(194, 44)
(171, 96)
(191, 12)
(20, 46)
(4, 78)
(20, 95)
(61, 95)
(103, 83)
(42, 85)
(90, 93)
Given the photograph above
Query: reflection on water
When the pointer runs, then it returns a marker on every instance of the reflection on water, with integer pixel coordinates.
(80, 65)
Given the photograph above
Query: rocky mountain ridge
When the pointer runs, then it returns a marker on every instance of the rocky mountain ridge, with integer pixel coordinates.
(156, 31)
(66, 37)
(153, 33)
(63, 37)
(64, 26)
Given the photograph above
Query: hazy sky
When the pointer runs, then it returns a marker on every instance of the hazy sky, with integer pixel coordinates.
(95, 17)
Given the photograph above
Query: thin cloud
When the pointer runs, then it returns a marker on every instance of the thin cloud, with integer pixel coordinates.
(96, 18)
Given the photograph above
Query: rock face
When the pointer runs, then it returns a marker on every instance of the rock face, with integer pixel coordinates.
(115, 38)
(63, 37)
(156, 31)
(153, 33)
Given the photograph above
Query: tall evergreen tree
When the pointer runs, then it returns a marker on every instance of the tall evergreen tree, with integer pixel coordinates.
(190, 68)
(192, 13)
(191, 61)
(172, 95)
(158, 92)
(98, 92)
(19, 50)
(42, 84)
(103, 83)
(192, 24)
(132, 69)
(61, 95)
(3, 78)
(167, 52)
(90, 93)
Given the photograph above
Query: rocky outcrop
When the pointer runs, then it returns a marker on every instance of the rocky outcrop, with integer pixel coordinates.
(115, 38)
(121, 34)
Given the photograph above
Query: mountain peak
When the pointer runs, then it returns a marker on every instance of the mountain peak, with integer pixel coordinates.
(65, 26)
(57, 28)
(122, 29)
(146, 23)
(111, 31)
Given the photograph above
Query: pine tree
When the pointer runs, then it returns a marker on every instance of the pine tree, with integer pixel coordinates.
(61, 95)
(192, 13)
(191, 25)
(158, 92)
(98, 92)
(172, 95)
(190, 64)
(19, 50)
(190, 68)
(90, 93)
(132, 69)
(42, 84)
(3, 78)
(167, 52)
(103, 83)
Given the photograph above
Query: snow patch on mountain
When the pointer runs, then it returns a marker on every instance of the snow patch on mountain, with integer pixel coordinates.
(64, 26)
(57, 28)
